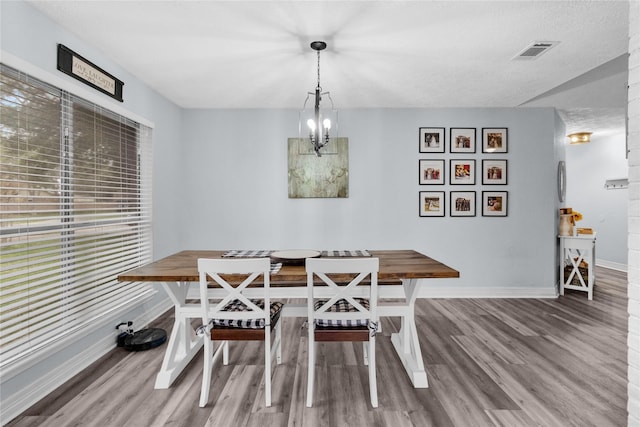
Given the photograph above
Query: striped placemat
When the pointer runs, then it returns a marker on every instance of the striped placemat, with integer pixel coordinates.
(261, 253)
(350, 253)
(275, 267)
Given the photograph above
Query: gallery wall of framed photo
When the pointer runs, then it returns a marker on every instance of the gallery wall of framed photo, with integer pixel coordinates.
(471, 159)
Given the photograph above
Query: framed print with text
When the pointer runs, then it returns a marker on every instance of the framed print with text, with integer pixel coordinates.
(494, 140)
(462, 140)
(463, 172)
(494, 203)
(432, 203)
(431, 172)
(431, 140)
(494, 172)
(463, 203)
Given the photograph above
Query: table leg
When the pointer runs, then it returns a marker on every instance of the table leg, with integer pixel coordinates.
(183, 343)
(406, 342)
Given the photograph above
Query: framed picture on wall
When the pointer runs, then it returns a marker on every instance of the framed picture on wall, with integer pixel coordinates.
(463, 203)
(494, 140)
(432, 203)
(431, 140)
(462, 140)
(431, 172)
(463, 172)
(494, 172)
(494, 203)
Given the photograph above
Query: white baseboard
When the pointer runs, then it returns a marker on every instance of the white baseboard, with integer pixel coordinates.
(14, 405)
(474, 292)
(488, 292)
(612, 265)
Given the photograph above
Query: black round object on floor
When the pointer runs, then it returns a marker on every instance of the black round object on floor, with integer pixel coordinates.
(145, 339)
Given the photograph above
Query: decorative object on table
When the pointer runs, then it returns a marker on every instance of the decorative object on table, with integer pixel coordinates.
(431, 140)
(568, 218)
(432, 203)
(294, 256)
(579, 138)
(319, 121)
(463, 203)
(310, 176)
(580, 231)
(463, 172)
(462, 140)
(494, 172)
(566, 225)
(494, 140)
(431, 172)
(494, 203)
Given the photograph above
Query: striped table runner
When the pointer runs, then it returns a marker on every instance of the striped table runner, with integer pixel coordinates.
(261, 253)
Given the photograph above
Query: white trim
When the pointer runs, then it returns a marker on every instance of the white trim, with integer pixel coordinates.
(17, 403)
(612, 265)
(488, 292)
(71, 87)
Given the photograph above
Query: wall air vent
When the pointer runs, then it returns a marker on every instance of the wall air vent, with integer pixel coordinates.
(535, 50)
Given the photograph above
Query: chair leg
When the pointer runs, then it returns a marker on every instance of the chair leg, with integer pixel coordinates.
(225, 353)
(206, 372)
(267, 365)
(279, 343)
(311, 368)
(373, 384)
(365, 351)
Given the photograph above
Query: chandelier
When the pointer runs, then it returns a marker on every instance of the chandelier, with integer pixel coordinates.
(321, 119)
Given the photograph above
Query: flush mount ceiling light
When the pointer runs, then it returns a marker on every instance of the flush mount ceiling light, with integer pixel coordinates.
(579, 137)
(320, 120)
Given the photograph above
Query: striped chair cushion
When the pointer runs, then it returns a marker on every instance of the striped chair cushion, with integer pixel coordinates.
(237, 305)
(342, 306)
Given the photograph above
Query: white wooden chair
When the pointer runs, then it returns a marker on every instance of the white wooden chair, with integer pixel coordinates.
(235, 317)
(340, 313)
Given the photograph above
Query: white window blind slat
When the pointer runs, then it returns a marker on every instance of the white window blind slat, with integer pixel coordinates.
(75, 211)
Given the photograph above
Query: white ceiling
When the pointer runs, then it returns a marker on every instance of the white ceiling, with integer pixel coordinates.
(391, 54)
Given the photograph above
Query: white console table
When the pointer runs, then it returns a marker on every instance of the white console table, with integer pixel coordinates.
(573, 250)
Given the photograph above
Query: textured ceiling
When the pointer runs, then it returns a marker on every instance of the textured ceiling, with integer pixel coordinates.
(391, 54)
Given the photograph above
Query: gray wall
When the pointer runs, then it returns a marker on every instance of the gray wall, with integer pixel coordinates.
(236, 193)
(588, 167)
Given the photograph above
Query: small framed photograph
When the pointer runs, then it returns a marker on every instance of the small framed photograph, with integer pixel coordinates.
(494, 140)
(431, 172)
(432, 203)
(494, 203)
(431, 140)
(463, 172)
(494, 172)
(463, 203)
(462, 140)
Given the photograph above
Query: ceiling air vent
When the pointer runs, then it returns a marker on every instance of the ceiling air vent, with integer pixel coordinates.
(535, 50)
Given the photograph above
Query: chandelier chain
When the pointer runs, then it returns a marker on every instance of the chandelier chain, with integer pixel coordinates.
(318, 52)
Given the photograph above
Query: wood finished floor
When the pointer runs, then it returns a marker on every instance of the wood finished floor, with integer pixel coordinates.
(490, 362)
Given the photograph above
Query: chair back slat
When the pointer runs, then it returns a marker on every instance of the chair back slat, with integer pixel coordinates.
(214, 269)
(322, 268)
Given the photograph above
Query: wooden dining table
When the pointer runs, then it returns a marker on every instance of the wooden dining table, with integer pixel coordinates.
(399, 279)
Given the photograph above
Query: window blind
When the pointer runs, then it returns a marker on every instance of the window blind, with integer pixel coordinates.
(75, 211)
